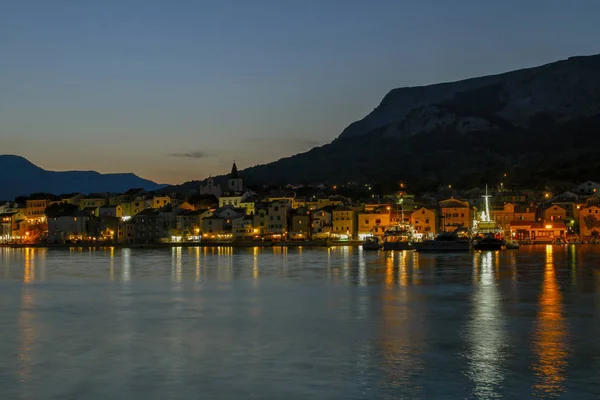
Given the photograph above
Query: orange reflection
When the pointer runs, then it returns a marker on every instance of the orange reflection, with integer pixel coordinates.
(402, 274)
(550, 335)
(255, 265)
(402, 346)
(112, 263)
(389, 270)
(29, 272)
(416, 276)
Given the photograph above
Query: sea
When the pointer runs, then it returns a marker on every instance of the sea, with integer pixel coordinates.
(299, 323)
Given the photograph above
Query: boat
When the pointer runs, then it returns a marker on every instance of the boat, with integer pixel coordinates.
(371, 243)
(512, 245)
(486, 231)
(398, 237)
(489, 243)
(445, 241)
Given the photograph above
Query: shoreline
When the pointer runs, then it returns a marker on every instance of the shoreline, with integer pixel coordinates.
(185, 244)
(352, 243)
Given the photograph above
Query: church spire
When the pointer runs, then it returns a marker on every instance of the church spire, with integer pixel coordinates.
(234, 171)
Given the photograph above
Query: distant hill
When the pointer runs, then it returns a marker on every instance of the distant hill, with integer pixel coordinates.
(538, 125)
(20, 177)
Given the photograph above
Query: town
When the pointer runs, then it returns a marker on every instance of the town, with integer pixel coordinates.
(235, 214)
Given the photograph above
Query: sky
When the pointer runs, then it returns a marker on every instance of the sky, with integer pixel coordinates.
(176, 90)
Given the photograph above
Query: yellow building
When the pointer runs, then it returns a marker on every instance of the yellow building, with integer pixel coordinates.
(372, 223)
(249, 205)
(343, 222)
(158, 201)
(555, 213)
(130, 208)
(300, 223)
(34, 210)
(12, 226)
(589, 222)
(511, 212)
(232, 200)
(260, 221)
(456, 213)
(92, 202)
(278, 212)
(424, 221)
(538, 232)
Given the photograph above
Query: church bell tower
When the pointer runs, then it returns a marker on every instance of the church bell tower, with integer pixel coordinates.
(234, 183)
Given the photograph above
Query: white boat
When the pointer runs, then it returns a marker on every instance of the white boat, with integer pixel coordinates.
(399, 237)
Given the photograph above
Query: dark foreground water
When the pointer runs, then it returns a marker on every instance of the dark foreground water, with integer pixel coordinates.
(299, 324)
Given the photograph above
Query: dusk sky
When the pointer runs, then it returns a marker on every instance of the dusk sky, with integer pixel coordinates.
(175, 90)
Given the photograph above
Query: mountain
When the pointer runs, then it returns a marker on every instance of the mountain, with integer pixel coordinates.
(538, 125)
(19, 177)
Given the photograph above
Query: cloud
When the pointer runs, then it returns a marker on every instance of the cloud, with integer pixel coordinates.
(191, 154)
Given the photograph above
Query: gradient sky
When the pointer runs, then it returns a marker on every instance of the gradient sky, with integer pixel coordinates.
(175, 90)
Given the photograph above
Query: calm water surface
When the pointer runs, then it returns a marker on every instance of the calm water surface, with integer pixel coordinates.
(189, 323)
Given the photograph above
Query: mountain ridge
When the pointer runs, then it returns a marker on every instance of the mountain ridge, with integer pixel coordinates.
(413, 129)
(21, 177)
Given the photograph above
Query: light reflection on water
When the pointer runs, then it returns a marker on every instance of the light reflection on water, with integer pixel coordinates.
(485, 331)
(298, 323)
(550, 337)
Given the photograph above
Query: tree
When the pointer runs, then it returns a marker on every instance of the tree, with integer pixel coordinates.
(591, 222)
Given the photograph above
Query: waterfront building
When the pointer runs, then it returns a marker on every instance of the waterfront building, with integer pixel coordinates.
(190, 221)
(243, 228)
(456, 213)
(212, 226)
(68, 227)
(300, 223)
(424, 221)
(13, 226)
(260, 221)
(35, 208)
(589, 222)
(343, 219)
(538, 232)
(146, 226)
(321, 220)
(373, 222)
(278, 214)
(505, 213)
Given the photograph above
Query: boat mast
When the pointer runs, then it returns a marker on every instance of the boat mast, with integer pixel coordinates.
(486, 216)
